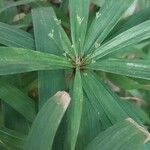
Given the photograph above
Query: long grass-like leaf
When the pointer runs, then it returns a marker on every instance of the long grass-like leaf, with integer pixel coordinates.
(44, 128)
(18, 100)
(17, 60)
(105, 20)
(13, 37)
(127, 135)
(75, 111)
(132, 68)
(48, 38)
(127, 38)
(79, 10)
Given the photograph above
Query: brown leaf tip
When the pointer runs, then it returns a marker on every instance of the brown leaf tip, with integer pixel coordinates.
(63, 99)
(142, 129)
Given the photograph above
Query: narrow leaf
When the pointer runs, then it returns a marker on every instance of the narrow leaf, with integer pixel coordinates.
(13, 37)
(103, 101)
(18, 100)
(90, 125)
(105, 20)
(79, 10)
(48, 38)
(131, 21)
(75, 111)
(11, 139)
(17, 60)
(127, 135)
(132, 68)
(20, 2)
(47, 121)
(127, 38)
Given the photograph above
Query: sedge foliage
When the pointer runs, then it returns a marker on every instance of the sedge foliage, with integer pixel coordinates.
(93, 117)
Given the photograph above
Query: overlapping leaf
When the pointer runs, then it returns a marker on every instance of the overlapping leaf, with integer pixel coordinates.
(132, 68)
(127, 135)
(127, 38)
(105, 20)
(18, 100)
(75, 112)
(79, 10)
(44, 128)
(10, 139)
(17, 60)
(13, 37)
(48, 38)
(102, 99)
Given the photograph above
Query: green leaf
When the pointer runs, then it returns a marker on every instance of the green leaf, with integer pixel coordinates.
(99, 95)
(13, 4)
(17, 60)
(75, 111)
(132, 68)
(13, 37)
(11, 140)
(18, 100)
(132, 36)
(126, 135)
(90, 125)
(103, 100)
(48, 38)
(127, 83)
(134, 111)
(98, 2)
(79, 10)
(105, 20)
(47, 121)
(131, 21)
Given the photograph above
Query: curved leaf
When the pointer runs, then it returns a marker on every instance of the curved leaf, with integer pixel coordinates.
(79, 11)
(48, 38)
(75, 111)
(10, 139)
(105, 20)
(132, 36)
(18, 100)
(47, 121)
(132, 68)
(126, 135)
(17, 60)
(13, 37)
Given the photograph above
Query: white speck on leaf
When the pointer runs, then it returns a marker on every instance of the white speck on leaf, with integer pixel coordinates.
(96, 45)
(136, 65)
(79, 19)
(58, 22)
(98, 15)
(93, 61)
(85, 74)
(64, 54)
(51, 34)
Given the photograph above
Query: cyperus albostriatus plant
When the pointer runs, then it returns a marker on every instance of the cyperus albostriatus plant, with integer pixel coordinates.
(94, 107)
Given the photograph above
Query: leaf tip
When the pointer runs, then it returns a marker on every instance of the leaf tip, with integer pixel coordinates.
(63, 99)
(142, 129)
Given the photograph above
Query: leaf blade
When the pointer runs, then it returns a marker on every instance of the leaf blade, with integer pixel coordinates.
(79, 10)
(106, 18)
(128, 132)
(42, 129)
(13, 37)
(17, 60)
(75, 112)
(48, 33)
(127, 38)
(131, 68)
(18, 100)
